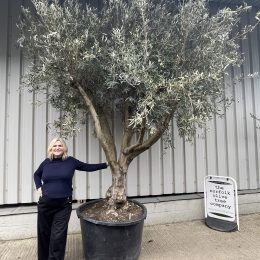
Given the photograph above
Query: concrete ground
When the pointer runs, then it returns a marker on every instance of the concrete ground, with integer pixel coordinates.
(187, 240)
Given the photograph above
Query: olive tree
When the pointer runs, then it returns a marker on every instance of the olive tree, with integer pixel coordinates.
(147, 60)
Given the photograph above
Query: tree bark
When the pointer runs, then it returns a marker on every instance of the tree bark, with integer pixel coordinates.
(103, 132)
(116, 193)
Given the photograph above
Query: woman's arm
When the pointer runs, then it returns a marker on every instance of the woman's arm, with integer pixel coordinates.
(38, 176)
(89, 167)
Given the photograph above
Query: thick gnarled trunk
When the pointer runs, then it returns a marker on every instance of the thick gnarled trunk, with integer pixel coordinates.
(117, 194)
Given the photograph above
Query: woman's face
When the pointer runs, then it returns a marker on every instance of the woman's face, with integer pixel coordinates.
(57, 149)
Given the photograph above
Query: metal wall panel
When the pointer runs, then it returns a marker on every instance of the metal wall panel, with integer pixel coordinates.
(229, 146)
(4, 38)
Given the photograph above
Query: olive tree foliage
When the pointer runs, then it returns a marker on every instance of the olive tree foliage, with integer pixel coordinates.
(149, 60)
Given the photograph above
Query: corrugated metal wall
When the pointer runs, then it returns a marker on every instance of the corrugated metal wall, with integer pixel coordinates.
(230, 147)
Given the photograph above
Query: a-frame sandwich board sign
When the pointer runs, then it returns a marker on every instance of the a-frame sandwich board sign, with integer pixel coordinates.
(221, 203)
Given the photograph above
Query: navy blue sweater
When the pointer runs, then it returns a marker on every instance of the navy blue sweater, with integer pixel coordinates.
(55, 176)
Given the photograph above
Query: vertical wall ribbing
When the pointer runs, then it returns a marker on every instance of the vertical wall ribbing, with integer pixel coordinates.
(4, 63)
(230, 146)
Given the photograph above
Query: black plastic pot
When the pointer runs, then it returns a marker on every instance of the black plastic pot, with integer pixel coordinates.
(108, 240)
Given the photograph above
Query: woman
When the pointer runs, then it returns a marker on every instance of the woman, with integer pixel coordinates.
(53, 180)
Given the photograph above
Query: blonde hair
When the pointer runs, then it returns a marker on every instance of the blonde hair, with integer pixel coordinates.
(65, 148)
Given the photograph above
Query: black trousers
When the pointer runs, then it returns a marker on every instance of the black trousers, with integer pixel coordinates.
(52, 227)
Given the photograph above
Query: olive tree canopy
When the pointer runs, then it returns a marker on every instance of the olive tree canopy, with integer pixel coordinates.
(149, 60)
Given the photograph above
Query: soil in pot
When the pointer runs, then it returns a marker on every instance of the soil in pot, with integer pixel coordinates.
(101, 211)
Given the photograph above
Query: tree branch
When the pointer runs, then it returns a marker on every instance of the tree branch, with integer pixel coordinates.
(137, 149)
(102, 128)
(142, 132)
(139, 141)
(128, 131)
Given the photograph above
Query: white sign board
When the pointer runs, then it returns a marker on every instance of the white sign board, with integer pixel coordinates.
(220, 194)
(220, 200)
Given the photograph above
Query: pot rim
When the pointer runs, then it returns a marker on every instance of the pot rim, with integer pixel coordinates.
(109, 223)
